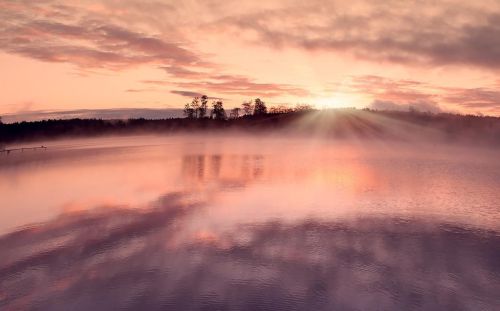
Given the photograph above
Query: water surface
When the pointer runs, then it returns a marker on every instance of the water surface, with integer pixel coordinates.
(241, 223)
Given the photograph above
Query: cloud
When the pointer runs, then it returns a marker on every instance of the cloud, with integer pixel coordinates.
(182, 72)
(423, 32)
(88, 43)
(231, 85)
(105, 47)
(190, 94)
(131, 32)
(390, 89)
(394, 94)
(91, 37)
(479, 98)
(241, 85)
(187, 93)
(177, 38)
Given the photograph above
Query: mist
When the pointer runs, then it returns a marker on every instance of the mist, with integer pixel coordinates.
(349, 125)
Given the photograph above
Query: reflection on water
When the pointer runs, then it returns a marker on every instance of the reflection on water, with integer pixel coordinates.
(217, 224)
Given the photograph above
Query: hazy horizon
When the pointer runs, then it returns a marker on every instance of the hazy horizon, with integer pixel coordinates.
(114, 113)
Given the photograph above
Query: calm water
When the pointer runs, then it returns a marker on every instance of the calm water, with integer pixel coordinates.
(235, 223)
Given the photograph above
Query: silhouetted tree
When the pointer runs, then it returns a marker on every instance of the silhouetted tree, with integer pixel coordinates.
(280, 109)
(195, 105)
(303, 107)
(466, 128)
(188, 111)
(248, 107)
(235, 113)
(202, 110)
(218, 111)
(2, 145)
(259, 107)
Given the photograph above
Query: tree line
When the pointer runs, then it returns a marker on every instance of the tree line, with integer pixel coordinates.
(339, 123)
(198, 109)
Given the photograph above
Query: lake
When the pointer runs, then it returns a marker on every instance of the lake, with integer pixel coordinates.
(231, 222)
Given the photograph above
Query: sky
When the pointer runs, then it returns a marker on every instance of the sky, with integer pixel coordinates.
(438, 56)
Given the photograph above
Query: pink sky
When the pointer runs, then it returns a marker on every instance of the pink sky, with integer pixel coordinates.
(434, 55)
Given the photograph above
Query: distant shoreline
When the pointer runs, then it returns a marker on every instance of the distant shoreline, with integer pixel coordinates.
(105, 114)
(342, 123)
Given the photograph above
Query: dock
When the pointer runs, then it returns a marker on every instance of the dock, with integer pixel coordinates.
(7, 151)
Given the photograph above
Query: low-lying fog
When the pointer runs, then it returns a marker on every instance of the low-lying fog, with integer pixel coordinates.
(246, 222)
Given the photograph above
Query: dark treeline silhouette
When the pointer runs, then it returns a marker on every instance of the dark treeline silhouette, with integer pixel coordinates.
(197, 109)
(255, 117)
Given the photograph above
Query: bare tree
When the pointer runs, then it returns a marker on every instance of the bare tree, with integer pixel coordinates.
(188, 111)
(247, 107)
(218, 112)
(195, 105)
(259, 107)
(2, 145)
(235, 113)
(202, 110)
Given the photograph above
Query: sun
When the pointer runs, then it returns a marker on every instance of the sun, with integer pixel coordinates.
(339, 100)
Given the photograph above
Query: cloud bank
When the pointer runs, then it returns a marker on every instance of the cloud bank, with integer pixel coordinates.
(178, 39)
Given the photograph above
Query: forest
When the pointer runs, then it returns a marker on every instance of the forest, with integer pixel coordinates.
(254, 117)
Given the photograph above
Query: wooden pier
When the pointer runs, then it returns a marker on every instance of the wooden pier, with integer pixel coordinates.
(7, 151)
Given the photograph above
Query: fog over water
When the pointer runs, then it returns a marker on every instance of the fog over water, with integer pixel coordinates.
(235, 222)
